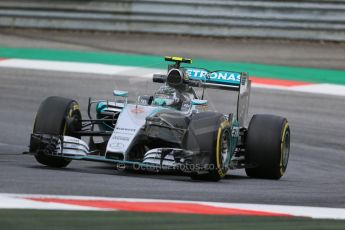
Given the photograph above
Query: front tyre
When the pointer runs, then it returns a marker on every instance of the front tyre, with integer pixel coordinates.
(267, 146)
(216, 142)
(51, 118)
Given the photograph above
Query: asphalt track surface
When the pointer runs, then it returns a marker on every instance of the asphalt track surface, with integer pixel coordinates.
(315, 175)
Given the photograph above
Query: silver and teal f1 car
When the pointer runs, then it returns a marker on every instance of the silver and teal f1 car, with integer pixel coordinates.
(172, 129)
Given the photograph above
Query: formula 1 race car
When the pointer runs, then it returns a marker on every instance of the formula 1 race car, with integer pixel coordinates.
(172, 129)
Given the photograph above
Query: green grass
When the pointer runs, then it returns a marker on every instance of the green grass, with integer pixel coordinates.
(83, 220)
(152, 61)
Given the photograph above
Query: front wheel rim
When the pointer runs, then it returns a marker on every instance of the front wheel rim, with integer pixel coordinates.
(224, 147)
(286, 150)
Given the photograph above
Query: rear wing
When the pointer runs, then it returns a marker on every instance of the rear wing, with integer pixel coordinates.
(219, 79)
(226, 80)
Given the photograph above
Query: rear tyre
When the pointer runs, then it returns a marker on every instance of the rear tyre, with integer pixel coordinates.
(268, 146)
(216, 142)
(51, 118)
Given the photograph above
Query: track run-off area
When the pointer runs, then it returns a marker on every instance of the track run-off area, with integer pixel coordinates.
(312, 99)
(321, 81)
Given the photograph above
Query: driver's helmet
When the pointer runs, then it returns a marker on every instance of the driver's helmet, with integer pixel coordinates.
(167, 96)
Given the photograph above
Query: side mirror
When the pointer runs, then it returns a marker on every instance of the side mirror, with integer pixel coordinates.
(199, 102)
(119, 93)
(199, 105)
(123, 98)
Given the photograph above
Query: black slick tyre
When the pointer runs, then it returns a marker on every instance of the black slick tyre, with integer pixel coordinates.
(267, 146)
(216, 142)
(51, 119)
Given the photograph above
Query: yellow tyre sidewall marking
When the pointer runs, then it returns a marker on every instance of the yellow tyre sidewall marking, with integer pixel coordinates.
(282, 142)
(72, 109)
(223, 125)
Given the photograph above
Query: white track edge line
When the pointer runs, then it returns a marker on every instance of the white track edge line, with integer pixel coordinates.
(298, 211)
(141, 72)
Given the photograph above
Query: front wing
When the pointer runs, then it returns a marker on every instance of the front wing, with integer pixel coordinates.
(161, 159)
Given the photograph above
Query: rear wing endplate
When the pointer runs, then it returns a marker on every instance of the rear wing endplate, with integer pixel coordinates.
(243, 100)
